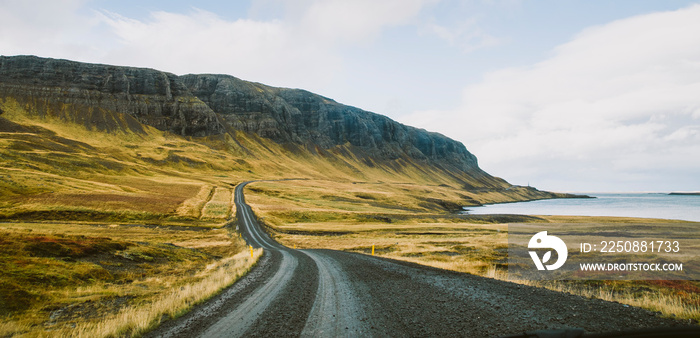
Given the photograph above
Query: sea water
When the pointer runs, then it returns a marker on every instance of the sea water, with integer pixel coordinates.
(644, 205)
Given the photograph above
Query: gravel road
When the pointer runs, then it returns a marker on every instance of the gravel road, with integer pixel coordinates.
(326, 293)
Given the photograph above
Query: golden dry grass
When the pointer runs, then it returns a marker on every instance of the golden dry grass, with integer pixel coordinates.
(193, 207)
(280, 199)
(57, 170)
(305, 214)
(464, 247)
(219, 205)
(678, 299)
(482, 250)
(139, 319)
(109, 280)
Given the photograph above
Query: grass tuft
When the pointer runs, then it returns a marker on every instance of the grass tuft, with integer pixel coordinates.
(136, 320)
(312, 214)
(72, 279)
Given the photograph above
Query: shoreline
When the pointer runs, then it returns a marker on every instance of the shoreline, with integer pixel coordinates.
(642, 206)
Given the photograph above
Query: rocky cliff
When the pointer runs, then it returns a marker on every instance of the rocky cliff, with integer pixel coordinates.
(205, 105)
(152, 97)
(298, 116)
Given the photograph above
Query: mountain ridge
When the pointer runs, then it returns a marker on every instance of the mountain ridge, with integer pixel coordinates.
(109, 126)
(152, 97)
(201, 105)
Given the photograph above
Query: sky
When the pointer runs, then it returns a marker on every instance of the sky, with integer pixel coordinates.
(563, 95)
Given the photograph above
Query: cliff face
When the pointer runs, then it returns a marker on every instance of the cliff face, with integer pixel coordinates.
(298, 116)
(152, 97)
(204, 105)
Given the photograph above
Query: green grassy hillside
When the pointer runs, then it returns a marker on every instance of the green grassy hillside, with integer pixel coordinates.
(101, 216)
(59, 168)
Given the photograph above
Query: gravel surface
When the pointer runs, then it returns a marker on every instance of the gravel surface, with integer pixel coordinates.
(407, 299)
(326, 293)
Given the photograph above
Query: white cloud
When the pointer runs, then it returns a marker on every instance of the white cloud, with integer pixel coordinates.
(618, 99)
(466, 34)
(202, 42)
(49, 28)
(357, 20)
(302, 48)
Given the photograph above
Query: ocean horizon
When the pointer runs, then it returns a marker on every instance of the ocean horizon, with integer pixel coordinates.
(661, 205)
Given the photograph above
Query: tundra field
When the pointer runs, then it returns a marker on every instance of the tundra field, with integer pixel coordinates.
(108, 233)
(350, 219)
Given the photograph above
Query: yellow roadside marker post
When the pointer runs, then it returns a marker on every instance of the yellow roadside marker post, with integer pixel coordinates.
(251, 251)
(372, 249)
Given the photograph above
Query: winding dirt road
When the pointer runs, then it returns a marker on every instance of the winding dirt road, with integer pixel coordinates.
(326, 293)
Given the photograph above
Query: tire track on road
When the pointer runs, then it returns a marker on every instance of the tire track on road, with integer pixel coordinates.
(241, 319)
(336, 312)
(327, 293)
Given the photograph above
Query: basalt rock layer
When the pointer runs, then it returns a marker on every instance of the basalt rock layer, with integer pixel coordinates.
(152, 97)
(207, 105)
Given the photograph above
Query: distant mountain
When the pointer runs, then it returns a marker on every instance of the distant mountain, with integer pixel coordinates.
(113, 98)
